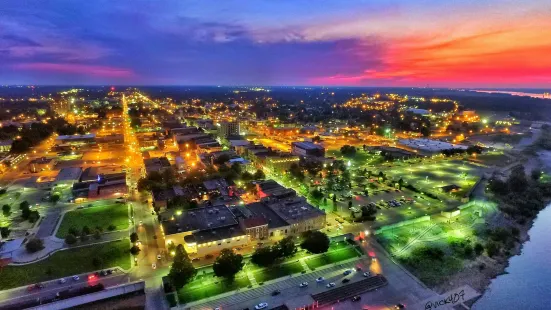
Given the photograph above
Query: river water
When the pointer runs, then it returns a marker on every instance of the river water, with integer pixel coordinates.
(527, 284)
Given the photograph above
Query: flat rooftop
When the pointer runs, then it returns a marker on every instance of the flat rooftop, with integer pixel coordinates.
(295, 209)
(308, 145)
(205, 218)
(69, 174)
(430, 145)
(259, 209)
(76, 137)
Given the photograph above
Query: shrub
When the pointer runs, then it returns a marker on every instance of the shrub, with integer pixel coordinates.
(34, 245)
(70, 239)
(111, 227)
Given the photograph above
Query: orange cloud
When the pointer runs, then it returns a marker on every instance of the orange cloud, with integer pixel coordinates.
(507, 55)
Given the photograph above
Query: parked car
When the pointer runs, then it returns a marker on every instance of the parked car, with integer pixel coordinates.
(159, 256)
(303, 284)
(76, 278)
(399, 306)
(62, 280)
(356, 298)
(276, 292)
(345, 280)
(330, 285)
(154, 266)
(367, 274)
(347, 272)
(261, 305)
(320, 279)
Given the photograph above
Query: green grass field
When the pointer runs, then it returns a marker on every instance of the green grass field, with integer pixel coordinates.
(332, 257)
(103, 216)
(279, 271)
(67, 263)
(208, 285)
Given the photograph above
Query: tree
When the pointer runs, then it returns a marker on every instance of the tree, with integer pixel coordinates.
(478, 249)
(227, 264)
(97, 234)
(182, 270)
(5, 231)
(84, 236)
(400, 183)
(369, 212)
(315, 242)
(54, 199)
(492, 248)
(6, 210)
(3, 191)
(70, 239)
(134, 250)
(259, 175)
(535, 174)
(348, 150)
(286, 247)
(24, 205)
(73, 231)
(33, 216)
(316, 195)
(264, 256)
(134, 237)
(349, 204)
(34, 245)
(86, 230)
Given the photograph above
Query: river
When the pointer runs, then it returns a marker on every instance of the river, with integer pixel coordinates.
(527, 284)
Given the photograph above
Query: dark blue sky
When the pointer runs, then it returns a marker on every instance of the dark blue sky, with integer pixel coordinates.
(390, 43)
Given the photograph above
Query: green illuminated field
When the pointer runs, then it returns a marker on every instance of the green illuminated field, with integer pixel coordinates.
(102, 216)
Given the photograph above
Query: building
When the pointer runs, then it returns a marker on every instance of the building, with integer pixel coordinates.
(210, 229)
(5, 146)
(68, 176)
(429, 147)
(307, 149)
(75, 139)
(156, 164)
(203, 230)
(270, 188)
(41, 164)
(229, 129)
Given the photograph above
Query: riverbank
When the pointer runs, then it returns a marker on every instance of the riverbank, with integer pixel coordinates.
(480, 272)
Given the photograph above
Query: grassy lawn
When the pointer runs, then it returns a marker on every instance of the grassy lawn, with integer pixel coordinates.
(331, 257)
(279, 271)
(208, 285)
(112, 214)
(67, 263)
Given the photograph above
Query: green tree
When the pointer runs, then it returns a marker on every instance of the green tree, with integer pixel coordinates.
(86, 230)
(5, 231)
(134, 237)
(6, 210)
(264, 256)
(478, 249)
(182, 270)
(70, 239)
(286, 247)
(134, 250)
(54, 198)
(227, 264)
(97, 234)
(24, 205)
(315, 242)
(34, 245)
(84, 237)
(97, 262)
(259, 175)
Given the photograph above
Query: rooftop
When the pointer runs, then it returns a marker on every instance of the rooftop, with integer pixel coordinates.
(260, 209)
(69, 174)
(307, 145)
(76, 137)
(205, 218)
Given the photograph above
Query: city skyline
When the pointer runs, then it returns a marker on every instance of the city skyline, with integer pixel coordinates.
(391, 43)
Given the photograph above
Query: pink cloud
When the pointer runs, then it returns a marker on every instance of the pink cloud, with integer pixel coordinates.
(91, 70)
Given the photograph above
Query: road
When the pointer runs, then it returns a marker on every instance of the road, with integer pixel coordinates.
(51, 288)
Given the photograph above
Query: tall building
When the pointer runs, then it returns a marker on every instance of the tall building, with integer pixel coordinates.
(61, 107)
(229, 129)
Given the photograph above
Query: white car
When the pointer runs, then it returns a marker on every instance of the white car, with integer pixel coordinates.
(62, 280)
(76, 278)
(261, 305)
(159, 256)
(320, 279)
(154, 266)
(367, 274)
(330, 285)
(303, 284)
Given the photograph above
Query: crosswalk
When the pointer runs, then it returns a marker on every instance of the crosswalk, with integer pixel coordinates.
(281, 284)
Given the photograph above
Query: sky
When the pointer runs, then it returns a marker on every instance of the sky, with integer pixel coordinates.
(434, 43)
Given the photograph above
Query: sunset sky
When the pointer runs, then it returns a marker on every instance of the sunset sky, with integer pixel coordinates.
(437, 43)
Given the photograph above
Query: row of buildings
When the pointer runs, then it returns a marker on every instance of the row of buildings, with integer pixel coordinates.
(211, 228)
